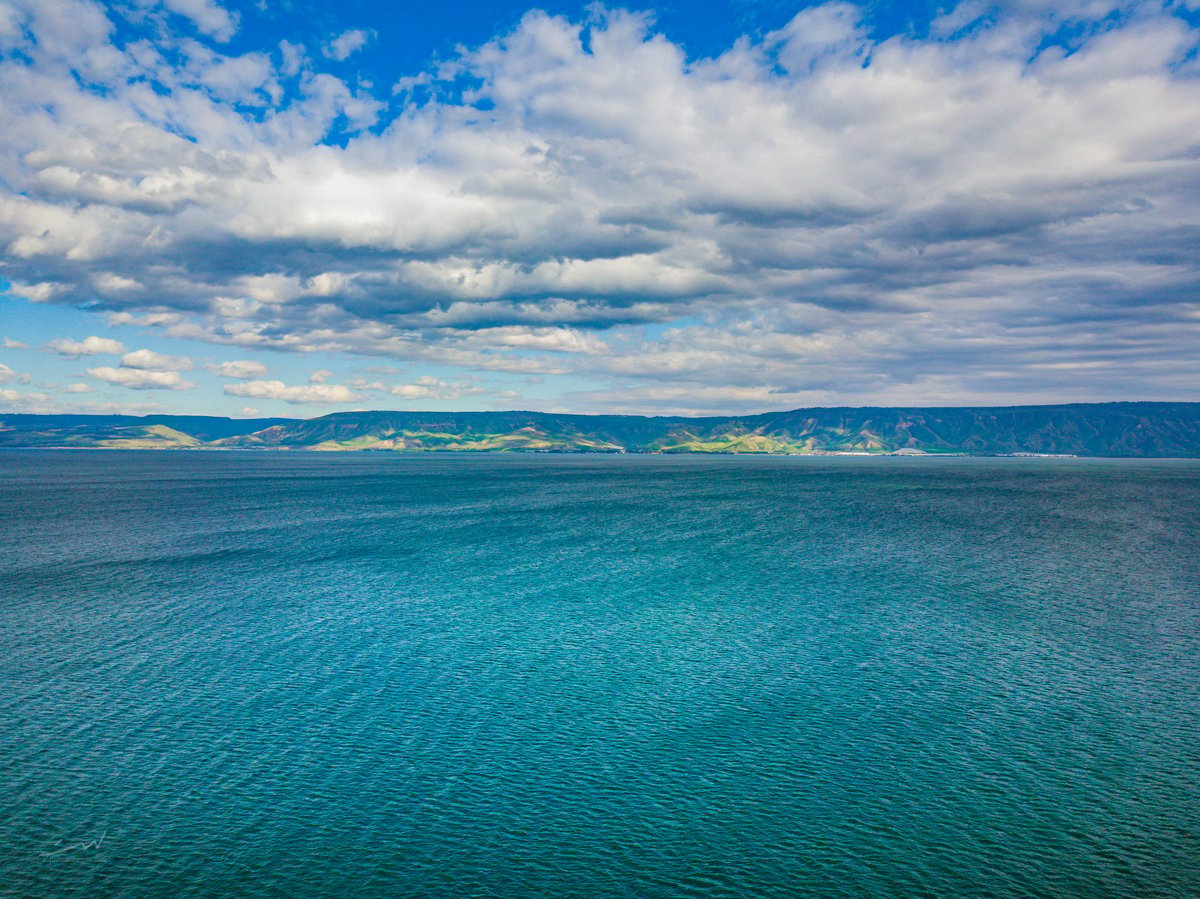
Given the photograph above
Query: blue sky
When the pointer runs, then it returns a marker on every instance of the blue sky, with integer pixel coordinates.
(296, 208)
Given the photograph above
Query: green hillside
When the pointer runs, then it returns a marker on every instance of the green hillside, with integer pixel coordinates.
(124, 431)
(1095, 429)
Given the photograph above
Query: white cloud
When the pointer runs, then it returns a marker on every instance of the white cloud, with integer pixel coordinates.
(208, 17)
(138, 379)
(79, 388)
(808, 213)
(148, 360)
(554, 340)
(293, 57)
(241, 369)
(89, 346)
(832, 31)
(312, 394)
(45, 404)
(428, 387)
(319, 376)
(10, 344)
(7, 375)
(347, 44)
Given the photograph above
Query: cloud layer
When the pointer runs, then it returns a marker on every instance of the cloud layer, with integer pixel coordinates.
(89, 346)
(306, 394)
(140, 379)
(987, 212)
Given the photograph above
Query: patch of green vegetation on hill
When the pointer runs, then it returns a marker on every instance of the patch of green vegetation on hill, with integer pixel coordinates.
(149, 437)
(741, 443)
(103, 436)
(522, 440)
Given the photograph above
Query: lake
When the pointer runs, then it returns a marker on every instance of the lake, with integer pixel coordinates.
(302, 674)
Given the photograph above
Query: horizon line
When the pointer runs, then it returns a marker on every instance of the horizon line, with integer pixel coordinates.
(594, 414)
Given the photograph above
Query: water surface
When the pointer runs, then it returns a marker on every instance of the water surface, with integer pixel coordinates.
(363, 675)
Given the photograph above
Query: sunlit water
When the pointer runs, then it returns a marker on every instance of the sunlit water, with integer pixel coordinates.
(239, 674)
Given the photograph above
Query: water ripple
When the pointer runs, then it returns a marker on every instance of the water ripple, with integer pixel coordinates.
(261, 675)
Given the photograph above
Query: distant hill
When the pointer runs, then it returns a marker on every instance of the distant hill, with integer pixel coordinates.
(125, 431)
(1084, 429)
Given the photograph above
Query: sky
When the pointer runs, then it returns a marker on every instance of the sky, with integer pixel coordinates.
(288, 207)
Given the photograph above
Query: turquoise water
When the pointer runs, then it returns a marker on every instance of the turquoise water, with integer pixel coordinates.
(238, 674)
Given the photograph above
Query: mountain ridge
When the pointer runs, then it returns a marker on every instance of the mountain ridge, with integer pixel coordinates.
(1118, 429)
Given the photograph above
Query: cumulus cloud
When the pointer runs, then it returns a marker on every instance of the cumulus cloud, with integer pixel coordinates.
(428, 387)
(10, 344)
(89, 346)
(308, 395)
(148, 360)
(208, 17)
(139, 379)
(7, 375)
(811, 215)
(347, 44)
(79, 387)
(239, 369)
